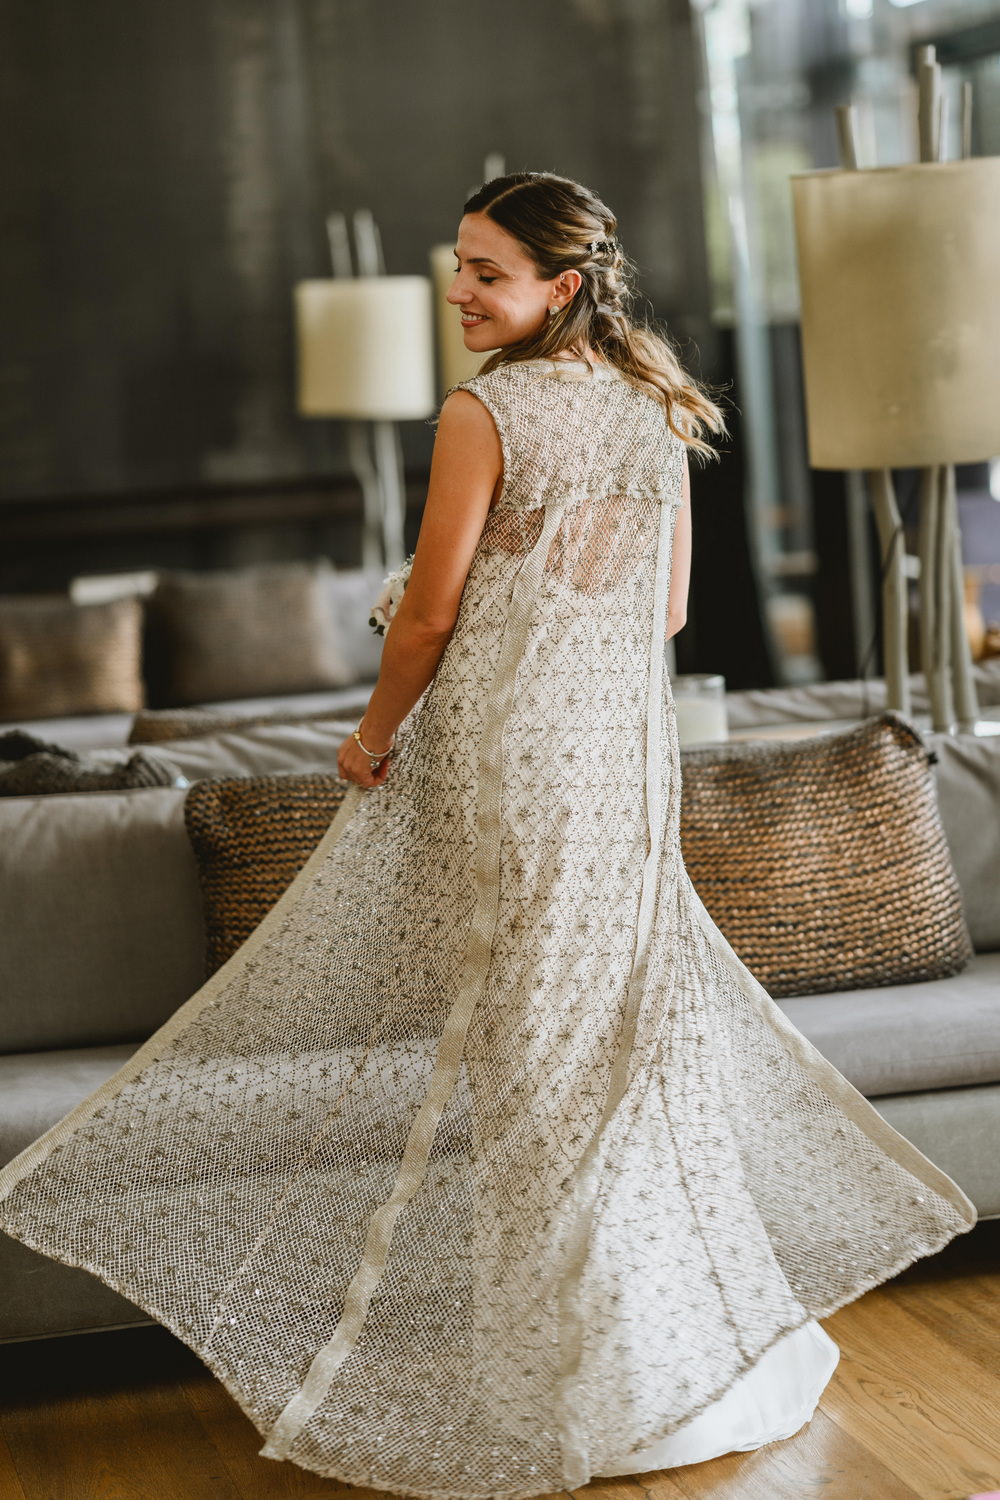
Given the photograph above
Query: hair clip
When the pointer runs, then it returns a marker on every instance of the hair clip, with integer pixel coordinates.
(601, 247)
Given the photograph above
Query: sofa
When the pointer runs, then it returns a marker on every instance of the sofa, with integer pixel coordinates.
(102, 937)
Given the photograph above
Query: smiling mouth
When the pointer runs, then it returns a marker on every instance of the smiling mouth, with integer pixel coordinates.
(469, 320)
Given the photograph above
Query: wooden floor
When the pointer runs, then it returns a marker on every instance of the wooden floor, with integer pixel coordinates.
(913, 1410)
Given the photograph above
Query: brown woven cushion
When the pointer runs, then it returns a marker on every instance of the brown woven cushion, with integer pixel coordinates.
(251, 836)
(58, 657)
(157, 726)
(241, 633)
(824, 861)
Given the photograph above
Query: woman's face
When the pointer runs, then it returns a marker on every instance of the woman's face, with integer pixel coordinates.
(497, 288)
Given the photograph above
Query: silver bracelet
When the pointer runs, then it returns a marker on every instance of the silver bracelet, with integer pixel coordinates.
(375, 760)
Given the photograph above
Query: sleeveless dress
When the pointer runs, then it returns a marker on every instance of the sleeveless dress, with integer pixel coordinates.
(485, 1166)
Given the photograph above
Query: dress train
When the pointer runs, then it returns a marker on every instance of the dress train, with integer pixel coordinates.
(772, 1401)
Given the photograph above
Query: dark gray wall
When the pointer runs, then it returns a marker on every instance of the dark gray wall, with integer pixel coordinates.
(167, 171)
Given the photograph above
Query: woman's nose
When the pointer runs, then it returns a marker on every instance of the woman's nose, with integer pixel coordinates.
(455, 292)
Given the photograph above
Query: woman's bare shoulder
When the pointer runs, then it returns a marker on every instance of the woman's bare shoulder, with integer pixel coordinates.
(464, 411)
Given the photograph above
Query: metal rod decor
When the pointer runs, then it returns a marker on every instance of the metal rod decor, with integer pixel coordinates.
(966, 124)
(361, 460)
(885, 509)
(941, 686)
(847, 135)
(966, 696)
(385, 435)
(374, 448)
(928, 585)
(358, 446)
(950, 677)
(963, 683)
(340, 245)
(934, 590)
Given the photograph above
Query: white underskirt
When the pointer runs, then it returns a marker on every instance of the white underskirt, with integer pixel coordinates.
(771, 1401)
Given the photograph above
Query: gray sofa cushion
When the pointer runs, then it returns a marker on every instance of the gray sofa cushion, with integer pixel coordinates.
(967, 777)
(38, 1089)
(957, 1130)
(78, 731)
(350, 701)
(939, 1034)
(263, 751)
(846, 699)
(110, 731)
(43, 1296)
(101, 932)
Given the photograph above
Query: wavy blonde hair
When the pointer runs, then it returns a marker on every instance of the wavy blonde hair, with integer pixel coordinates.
(561, 225)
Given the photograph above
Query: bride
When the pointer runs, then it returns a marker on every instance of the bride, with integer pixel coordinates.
(485, 1166)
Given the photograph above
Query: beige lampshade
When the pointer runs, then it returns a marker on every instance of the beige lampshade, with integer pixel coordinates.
(455, 363)
(899, 269)
(365, 347)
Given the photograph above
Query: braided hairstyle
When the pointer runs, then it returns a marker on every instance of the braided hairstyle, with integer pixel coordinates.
(561, 225)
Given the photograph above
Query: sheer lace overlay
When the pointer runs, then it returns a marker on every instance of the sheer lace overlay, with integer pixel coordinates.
(485, 1162)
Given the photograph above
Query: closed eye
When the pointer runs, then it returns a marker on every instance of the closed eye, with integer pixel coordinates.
(488, 279)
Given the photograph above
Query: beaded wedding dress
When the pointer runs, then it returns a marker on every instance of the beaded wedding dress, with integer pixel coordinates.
(485, 1165)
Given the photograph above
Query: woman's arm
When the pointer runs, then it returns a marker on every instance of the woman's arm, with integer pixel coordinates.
(680, 560)
(466, 465)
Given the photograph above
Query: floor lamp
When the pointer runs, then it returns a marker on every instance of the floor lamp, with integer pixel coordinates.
(365, 347)
(455, 362)
(899, 271)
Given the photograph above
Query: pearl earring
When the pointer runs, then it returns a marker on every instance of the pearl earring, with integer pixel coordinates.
(553, 311)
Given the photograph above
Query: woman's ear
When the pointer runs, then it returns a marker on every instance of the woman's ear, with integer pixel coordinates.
(567, 283)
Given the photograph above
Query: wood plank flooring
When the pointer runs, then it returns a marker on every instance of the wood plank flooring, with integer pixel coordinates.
(912, 1412)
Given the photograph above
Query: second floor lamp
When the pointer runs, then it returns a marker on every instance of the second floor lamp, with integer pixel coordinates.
(899, 269)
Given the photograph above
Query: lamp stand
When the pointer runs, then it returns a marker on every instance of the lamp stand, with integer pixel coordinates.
(374, 448)
(365, 472)
(392, 491)
(890, 533)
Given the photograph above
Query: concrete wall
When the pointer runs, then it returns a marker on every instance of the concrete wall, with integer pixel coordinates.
(168, 168)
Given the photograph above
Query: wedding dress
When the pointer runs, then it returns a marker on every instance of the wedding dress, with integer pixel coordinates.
(485, 1166)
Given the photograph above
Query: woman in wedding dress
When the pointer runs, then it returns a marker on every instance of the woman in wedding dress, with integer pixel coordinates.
(485, 1166)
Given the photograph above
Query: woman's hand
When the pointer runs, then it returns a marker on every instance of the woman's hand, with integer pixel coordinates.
(353, 764)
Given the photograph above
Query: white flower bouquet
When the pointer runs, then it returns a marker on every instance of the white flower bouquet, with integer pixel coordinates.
(386, 604)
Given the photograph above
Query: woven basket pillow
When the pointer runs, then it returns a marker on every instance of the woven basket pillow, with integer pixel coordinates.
(824, 861)
(251, 835)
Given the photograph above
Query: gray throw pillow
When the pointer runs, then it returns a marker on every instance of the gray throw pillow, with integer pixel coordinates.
(241, 633)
